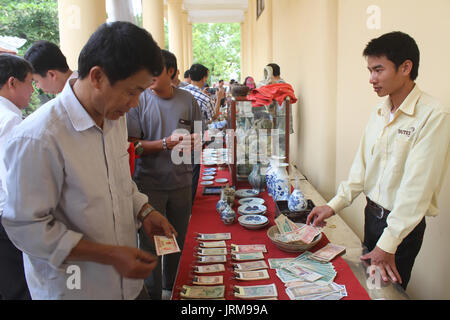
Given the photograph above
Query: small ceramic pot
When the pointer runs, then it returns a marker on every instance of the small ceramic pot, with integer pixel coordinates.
(297, 201)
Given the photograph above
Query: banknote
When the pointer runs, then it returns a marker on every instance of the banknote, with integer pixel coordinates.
(315, 291)
(275, 263)
(305, 234)
(256, 292)
(165, 245)
(212, 268)
(248, 248)
(305, 262)
(252, 275)
(211, 259)
(250, 266)
(202, 292)
(328, 253)
(207, 280)
(212, 251)
(213, 244)
(214, 236)
(247, 256)
(284, 224)
(303, 273)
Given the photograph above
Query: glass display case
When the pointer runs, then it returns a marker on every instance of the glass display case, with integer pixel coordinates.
(257, 134)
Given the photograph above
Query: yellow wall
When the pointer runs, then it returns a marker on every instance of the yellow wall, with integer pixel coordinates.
(318, 45)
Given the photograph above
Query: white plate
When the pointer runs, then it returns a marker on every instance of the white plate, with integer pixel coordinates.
(252, 209)
(206, 183)
(251, 201)
(205, 178)
(210, 169)
(221, 180)
(209, 173)
(253, 219)
(246, 193)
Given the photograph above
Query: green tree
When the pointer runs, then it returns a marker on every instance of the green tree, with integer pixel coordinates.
(217, 46)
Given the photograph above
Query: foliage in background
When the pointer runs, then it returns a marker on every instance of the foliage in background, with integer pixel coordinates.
(31, 20)
(218, 47)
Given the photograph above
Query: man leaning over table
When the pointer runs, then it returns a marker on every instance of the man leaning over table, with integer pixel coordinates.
(400, 163)
(16, 88)
(73, 208)
(163, 113)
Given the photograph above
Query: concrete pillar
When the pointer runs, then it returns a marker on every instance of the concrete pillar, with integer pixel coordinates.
(78, 19)
(190, 46)
(175, 29)
(153, 19)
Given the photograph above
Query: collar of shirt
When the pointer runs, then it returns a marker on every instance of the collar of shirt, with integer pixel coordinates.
(8, 105)
(407, 107)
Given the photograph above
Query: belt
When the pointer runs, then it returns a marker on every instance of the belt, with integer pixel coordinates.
(381, 212)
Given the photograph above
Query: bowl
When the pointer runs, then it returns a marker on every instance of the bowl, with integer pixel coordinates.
(296, 246)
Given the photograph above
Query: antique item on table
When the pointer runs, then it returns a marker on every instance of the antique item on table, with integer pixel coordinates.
(202, 292)
(209, 173)
(274, 235)
(250, 266)
(256, 179)
(280, 183)
(222, 180)
(281, 207)
(214, 236)
(252, 209)
(207, 178)
(252, 275)
(207, 280)
(246, 193)
(248, 248)
(212, 251)
(270, 171)
(305, 234)
(212, 259)
(256, 292)
(212, 244)
(323, 291)
(221, 205)
(211, 191)
(297, 200)
(206, 183)
(247, 256)
(328, 253)
(227, 193)
(165, 245)
(228, 215)
(253, 222)
(212, 268)
(284, 224)
(251, 201)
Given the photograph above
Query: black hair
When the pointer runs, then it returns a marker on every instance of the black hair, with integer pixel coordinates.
(170, 61)
(275, 68)
(187, 74)
(220, 81)
(121, 49)
(198, 72)
(397, 47)
(13, 66)
(44, 55)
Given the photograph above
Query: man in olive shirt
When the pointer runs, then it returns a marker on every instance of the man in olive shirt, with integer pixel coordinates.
(400, 163)
(162, 110)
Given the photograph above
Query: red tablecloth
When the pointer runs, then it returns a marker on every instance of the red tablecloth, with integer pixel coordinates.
(205, 219)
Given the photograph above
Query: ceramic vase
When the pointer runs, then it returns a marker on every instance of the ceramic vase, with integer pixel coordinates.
(228, 215)
(280, 183)
(297, 201)
(256, 179)
(221, 205)
(270, 172)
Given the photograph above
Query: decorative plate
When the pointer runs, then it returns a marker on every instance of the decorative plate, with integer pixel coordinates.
(246, 193)
(206, 183)
(205, 178)
(221, 180)
(251, 201)
(253, 219)
(252, 209)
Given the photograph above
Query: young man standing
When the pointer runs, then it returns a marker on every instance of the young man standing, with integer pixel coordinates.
(72, 206)
(16, 88)
(401, 161)
(164, 113)
(50, 68)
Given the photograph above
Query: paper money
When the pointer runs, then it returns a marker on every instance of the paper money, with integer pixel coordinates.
(252, 275)
(207, 280)
(214, 236)
(213, 268)
(212, 251)
(303, 273)
(275, 263)
(256, 292)
(316, 291)
(249, 248)
(328, 253)
(305, 234)
(213, 244)
(247, 256)
(284, 224)
(250, 266)
(211, 259)
(305, 262)
(202, 292)
(165, 245)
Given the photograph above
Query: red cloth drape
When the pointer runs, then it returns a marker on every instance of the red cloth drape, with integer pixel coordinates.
(266, 94)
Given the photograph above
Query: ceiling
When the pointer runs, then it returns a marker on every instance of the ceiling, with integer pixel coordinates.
(215, 11)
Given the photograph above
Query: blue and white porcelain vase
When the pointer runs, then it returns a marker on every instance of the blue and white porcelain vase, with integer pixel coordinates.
(297, 201)
(228, 215)
(280, 183)
(270, 172)
(221, 205)
(256, 179)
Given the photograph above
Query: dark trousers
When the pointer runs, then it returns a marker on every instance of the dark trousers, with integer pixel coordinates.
(195, 177)
(407, 250)
(13, 285)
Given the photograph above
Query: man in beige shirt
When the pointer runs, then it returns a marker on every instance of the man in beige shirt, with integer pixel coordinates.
(401, 161)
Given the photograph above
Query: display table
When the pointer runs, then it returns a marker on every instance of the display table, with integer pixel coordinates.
(205, 219)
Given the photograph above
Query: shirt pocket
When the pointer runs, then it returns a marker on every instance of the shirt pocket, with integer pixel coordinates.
(124, 185)
(400, 153)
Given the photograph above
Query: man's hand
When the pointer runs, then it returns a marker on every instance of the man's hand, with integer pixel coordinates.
(319, 214)
(172, 141)
(385, 262)
(133, 263)
(156, 224)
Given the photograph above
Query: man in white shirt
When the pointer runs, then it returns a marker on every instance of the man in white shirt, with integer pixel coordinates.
(15, 91)
(50, 68)
(75, 210)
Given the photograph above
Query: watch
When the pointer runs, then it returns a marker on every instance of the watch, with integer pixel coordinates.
(146, 212)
